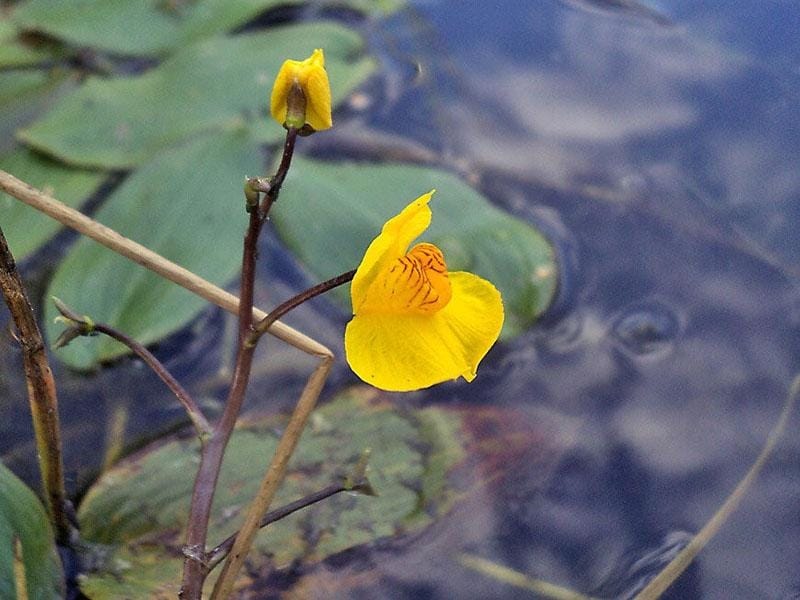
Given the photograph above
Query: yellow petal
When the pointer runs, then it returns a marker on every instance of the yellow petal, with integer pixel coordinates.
(318, 99)
(413, 351)
(312, 78)
(415, 283)
(391, 244)
(280, 90)
(317, 58)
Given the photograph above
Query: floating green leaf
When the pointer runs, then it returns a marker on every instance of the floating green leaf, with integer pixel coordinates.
(375, 7)
(186, 204)
(23, 94)
(125, 27)
(15, 85)
(124, 122)
(17, 55)
(23, 518)
(145, 28)
(139, 508)
(26, 228)
(329, 212)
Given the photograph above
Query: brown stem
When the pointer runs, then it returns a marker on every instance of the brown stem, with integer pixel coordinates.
(280, 175)
(195, 414)
(195, 569)
(18, 569)
(41, 393)
(217, 554)
(279, 311)
(665, 578)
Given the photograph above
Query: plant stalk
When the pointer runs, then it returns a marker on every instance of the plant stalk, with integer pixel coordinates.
(41, 394)
(195, 568)
(279, 311)
(272, 479)
(196, 415)
(218, 553)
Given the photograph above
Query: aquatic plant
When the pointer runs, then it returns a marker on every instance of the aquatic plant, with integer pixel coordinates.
(415, 323)
(159, 130)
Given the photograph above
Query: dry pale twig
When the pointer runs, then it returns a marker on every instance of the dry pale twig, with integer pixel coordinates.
(274, 477)
(677, 565)
(199, 286)
(150, 260)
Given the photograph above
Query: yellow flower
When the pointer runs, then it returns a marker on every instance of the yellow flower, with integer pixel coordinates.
(310, 77)
(414, 323)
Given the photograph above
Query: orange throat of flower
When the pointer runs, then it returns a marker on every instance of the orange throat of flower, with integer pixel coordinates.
(416, 283)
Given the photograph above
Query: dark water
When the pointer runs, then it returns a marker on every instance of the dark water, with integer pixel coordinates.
(658, 144)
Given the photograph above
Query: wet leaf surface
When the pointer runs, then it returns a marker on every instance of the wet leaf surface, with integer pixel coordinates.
(14, 53)
(423, 463)
(23, 94)
(125, 27)
(330, 211)
(147, 28)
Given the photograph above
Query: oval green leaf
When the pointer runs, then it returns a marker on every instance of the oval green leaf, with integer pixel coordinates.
(146, 28)
(24, 94)
(136, 28)
(23, 518)
(187, 205)
(139, 508)
(26, 228)
(120, 123)
(329, 212)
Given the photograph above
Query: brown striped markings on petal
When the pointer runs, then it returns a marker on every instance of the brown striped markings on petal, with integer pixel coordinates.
(414, 283)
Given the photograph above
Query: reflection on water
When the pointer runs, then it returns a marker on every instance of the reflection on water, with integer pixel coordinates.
(664, 161)
(662, 157)
(625, 8)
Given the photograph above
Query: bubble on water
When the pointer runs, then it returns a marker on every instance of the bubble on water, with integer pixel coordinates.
(577, 329)
(567, 334)
(646, 329)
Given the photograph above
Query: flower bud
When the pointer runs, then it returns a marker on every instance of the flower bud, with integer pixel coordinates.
(301, 95)
(295, 107)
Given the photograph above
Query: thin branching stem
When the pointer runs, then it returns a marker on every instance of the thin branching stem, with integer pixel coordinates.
(272, 480)
(280, 175)
(196, 415)
(143, 256)
(195, 569)
(218, 553)
(264, 324)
